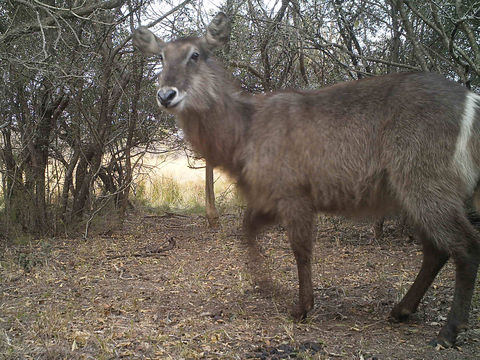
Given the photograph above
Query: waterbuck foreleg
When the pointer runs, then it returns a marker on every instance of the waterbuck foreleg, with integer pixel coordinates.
(433, 261)
(253, 222)
(299, 221)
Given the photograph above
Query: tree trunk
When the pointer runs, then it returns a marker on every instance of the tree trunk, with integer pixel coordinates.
(14, 191)
(211, 210)
(68, 184)
(124, 195)
(87, 169)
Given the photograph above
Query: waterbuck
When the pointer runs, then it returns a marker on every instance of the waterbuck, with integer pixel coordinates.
(407, 143)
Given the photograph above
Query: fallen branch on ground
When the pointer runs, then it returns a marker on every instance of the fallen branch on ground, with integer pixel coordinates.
(150, 251)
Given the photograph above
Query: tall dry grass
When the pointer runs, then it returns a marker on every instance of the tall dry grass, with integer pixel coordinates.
(171, 185)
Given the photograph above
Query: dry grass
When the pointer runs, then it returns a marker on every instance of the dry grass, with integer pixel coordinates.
(173, 186)
(110, 297)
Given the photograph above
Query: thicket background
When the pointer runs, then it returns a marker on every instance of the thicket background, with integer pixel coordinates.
(78, 111)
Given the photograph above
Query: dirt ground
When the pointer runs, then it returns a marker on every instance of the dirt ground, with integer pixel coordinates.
(133, 294)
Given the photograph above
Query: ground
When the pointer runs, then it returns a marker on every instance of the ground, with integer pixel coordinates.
(134, 294)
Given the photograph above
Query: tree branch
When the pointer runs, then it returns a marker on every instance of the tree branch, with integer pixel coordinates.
(35, 26)
(474, 64)
(153, 23)
(249, 68)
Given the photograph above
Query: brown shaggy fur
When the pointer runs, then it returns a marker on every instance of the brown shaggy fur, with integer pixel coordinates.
(396, 143)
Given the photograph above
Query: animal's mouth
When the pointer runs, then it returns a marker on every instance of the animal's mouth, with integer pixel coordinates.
(174, 104)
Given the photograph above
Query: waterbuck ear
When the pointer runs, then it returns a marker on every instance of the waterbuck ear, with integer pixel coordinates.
(145, 41)
(218, 31)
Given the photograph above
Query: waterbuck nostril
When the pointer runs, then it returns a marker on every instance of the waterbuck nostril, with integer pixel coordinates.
(166, 97)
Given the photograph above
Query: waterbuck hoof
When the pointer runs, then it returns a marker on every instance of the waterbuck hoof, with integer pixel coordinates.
(448, 335)
(400, 314)
(441, 343)
(299, 313)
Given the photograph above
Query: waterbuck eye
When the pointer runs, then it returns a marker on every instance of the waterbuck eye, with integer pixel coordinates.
(195, 56)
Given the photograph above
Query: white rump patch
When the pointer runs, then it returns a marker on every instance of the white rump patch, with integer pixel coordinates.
(463, 157)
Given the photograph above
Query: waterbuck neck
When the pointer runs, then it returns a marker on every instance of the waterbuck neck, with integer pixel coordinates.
(218, 132)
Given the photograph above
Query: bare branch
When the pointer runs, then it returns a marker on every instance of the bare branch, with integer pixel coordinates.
(417, 49)
(248, 67)
(153, 23)
(366, 58)
(465, 58)
(64, 13)
(469, 32)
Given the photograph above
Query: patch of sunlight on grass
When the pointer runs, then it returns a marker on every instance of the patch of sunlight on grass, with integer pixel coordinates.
(172, 186)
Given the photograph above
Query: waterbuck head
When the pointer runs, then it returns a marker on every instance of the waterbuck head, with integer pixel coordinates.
(188, 76)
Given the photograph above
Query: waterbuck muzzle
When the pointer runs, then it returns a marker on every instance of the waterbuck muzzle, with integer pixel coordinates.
(168, 97)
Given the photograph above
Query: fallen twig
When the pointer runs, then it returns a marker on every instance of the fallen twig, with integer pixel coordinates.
(166, 215)
(151, 251)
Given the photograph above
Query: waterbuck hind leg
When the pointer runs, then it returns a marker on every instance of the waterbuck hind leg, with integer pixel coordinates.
(433, 261)
(467, 259)
(451, 231)
(457, 320)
